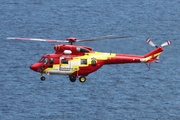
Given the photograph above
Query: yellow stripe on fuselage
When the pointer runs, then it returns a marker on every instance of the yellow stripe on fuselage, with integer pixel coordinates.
(89, 56)
(55, 67)
(152, 56)
(75, 63)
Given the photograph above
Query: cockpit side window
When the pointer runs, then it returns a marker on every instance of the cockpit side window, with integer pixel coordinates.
(51, 61)
(45, 61)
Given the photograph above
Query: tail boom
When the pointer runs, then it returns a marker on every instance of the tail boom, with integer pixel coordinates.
(151, 56)
(147, 58)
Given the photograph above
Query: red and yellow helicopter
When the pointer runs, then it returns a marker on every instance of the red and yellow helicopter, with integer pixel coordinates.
(80, 61)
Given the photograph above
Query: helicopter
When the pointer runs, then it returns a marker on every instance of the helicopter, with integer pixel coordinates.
(79, 61)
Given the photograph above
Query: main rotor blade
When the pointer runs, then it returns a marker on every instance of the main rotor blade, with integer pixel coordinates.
(67, 40)
(103, 38)
(36, 39)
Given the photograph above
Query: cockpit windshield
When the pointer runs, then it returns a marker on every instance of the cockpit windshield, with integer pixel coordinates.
(44, 60)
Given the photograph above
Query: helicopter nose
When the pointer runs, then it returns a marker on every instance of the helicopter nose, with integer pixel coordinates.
(35, 67)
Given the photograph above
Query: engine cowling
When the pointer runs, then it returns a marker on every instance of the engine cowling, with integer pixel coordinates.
(74, 49)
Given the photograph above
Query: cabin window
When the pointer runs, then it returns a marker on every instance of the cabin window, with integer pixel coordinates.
(93, 61)
(64, 61)
(83, 61)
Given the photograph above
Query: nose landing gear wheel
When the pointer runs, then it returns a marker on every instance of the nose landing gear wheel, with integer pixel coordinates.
(82, 79)
(43, 78)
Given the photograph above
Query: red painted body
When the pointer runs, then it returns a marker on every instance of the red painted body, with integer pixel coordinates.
(80, 61)
(87, 52)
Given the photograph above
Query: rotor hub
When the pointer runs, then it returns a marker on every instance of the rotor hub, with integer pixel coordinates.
(71, 40)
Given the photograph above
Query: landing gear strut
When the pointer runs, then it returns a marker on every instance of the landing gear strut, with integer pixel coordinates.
(42, 78)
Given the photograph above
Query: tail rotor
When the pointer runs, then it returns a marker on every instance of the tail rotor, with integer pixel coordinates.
(148, 40)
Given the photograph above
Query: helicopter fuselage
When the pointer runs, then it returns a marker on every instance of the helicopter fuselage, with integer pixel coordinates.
(80, 61)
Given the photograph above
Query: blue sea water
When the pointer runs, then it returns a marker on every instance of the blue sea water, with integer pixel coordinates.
(120, 92)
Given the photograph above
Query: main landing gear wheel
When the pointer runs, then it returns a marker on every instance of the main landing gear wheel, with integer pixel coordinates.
(82, 79)
(72, 78)
(43, 78)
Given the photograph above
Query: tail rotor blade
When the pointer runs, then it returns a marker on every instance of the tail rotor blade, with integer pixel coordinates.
(166, 43)
(148, 40)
